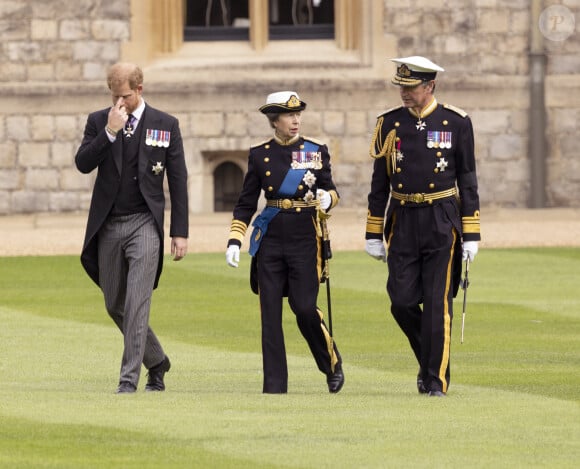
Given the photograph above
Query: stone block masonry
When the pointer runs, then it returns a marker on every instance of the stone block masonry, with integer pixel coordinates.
(55, 54)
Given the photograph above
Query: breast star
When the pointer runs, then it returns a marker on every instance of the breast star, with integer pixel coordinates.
(442, 164)
(157, 168)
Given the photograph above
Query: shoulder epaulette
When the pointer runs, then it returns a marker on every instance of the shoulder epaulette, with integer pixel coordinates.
(455, 109)
(388, 111)
(260, 144)
(313, 140)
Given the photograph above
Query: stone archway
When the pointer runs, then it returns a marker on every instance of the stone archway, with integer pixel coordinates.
(228, 179)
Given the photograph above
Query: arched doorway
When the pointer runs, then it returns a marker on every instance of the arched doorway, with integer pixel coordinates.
(228, 179)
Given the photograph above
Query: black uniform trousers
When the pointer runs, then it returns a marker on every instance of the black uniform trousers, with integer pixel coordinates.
(287, 263)
(420, 260)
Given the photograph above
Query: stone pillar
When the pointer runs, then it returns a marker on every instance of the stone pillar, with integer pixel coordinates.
(258, 23)
(156, 28)
(345, 20)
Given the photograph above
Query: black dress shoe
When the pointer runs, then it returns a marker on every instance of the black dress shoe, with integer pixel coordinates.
(436, 394)
(156, 374)
(126, 388)
(420, 386)
(335, 380)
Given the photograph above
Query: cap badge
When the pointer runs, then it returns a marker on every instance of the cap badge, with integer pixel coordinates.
(293, 101)
(403, 71)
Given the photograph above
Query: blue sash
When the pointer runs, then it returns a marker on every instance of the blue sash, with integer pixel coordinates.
(287, 189)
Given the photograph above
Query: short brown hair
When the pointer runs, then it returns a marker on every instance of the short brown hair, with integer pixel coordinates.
(122, 72)
(272, 117)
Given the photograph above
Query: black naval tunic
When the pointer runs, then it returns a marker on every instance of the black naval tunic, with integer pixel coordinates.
(288, 261)
(425, 169)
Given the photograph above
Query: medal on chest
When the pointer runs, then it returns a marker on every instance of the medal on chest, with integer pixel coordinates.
(306, 160)
(398, 153)
(437, 139)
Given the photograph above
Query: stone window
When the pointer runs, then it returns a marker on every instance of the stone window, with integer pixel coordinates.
(216, 20)
(160, 28)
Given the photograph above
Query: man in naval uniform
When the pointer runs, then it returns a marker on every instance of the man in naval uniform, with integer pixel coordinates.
(424, 201)
(295, 175)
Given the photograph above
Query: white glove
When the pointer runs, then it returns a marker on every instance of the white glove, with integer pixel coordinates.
(233, 255)
(324, 197)
(375, 248)
(470, 249)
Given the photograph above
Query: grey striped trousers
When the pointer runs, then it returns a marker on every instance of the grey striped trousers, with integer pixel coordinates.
(128, 258)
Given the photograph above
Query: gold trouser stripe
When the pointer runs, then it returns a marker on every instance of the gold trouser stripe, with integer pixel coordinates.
(392, 232)
(447, 318)
(329, 342)
(424, 196)
(318, 250)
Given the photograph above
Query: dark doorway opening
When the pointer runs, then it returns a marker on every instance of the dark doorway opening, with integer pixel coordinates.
(228, 179)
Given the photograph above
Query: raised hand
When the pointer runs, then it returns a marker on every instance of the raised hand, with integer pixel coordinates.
(117, 116)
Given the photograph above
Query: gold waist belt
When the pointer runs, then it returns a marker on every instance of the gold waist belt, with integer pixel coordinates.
(423, 197)
(290, 203)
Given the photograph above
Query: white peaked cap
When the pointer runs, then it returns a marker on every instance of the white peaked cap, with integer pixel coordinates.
(283, 101)
(281, 97)
(414, 70)
(419, 64)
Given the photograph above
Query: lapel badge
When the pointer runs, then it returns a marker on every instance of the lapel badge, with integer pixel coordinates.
(157, 168)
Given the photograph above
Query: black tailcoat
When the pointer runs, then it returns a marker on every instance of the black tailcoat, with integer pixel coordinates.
(97, 152)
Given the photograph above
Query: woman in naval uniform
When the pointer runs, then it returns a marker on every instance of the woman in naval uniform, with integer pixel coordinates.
(295, 174)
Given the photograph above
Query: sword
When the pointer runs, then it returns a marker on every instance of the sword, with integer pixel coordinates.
(464, 285)
(326, 255)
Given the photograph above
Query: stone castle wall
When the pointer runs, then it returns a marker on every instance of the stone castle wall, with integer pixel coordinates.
(54, 55)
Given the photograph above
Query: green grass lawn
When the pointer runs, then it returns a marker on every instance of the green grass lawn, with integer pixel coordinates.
(513, 400)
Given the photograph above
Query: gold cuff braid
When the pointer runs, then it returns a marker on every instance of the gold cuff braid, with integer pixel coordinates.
(471, 224)
(375, 225)
(238, 230)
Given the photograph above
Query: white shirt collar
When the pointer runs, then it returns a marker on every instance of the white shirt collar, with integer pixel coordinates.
(137, 113)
